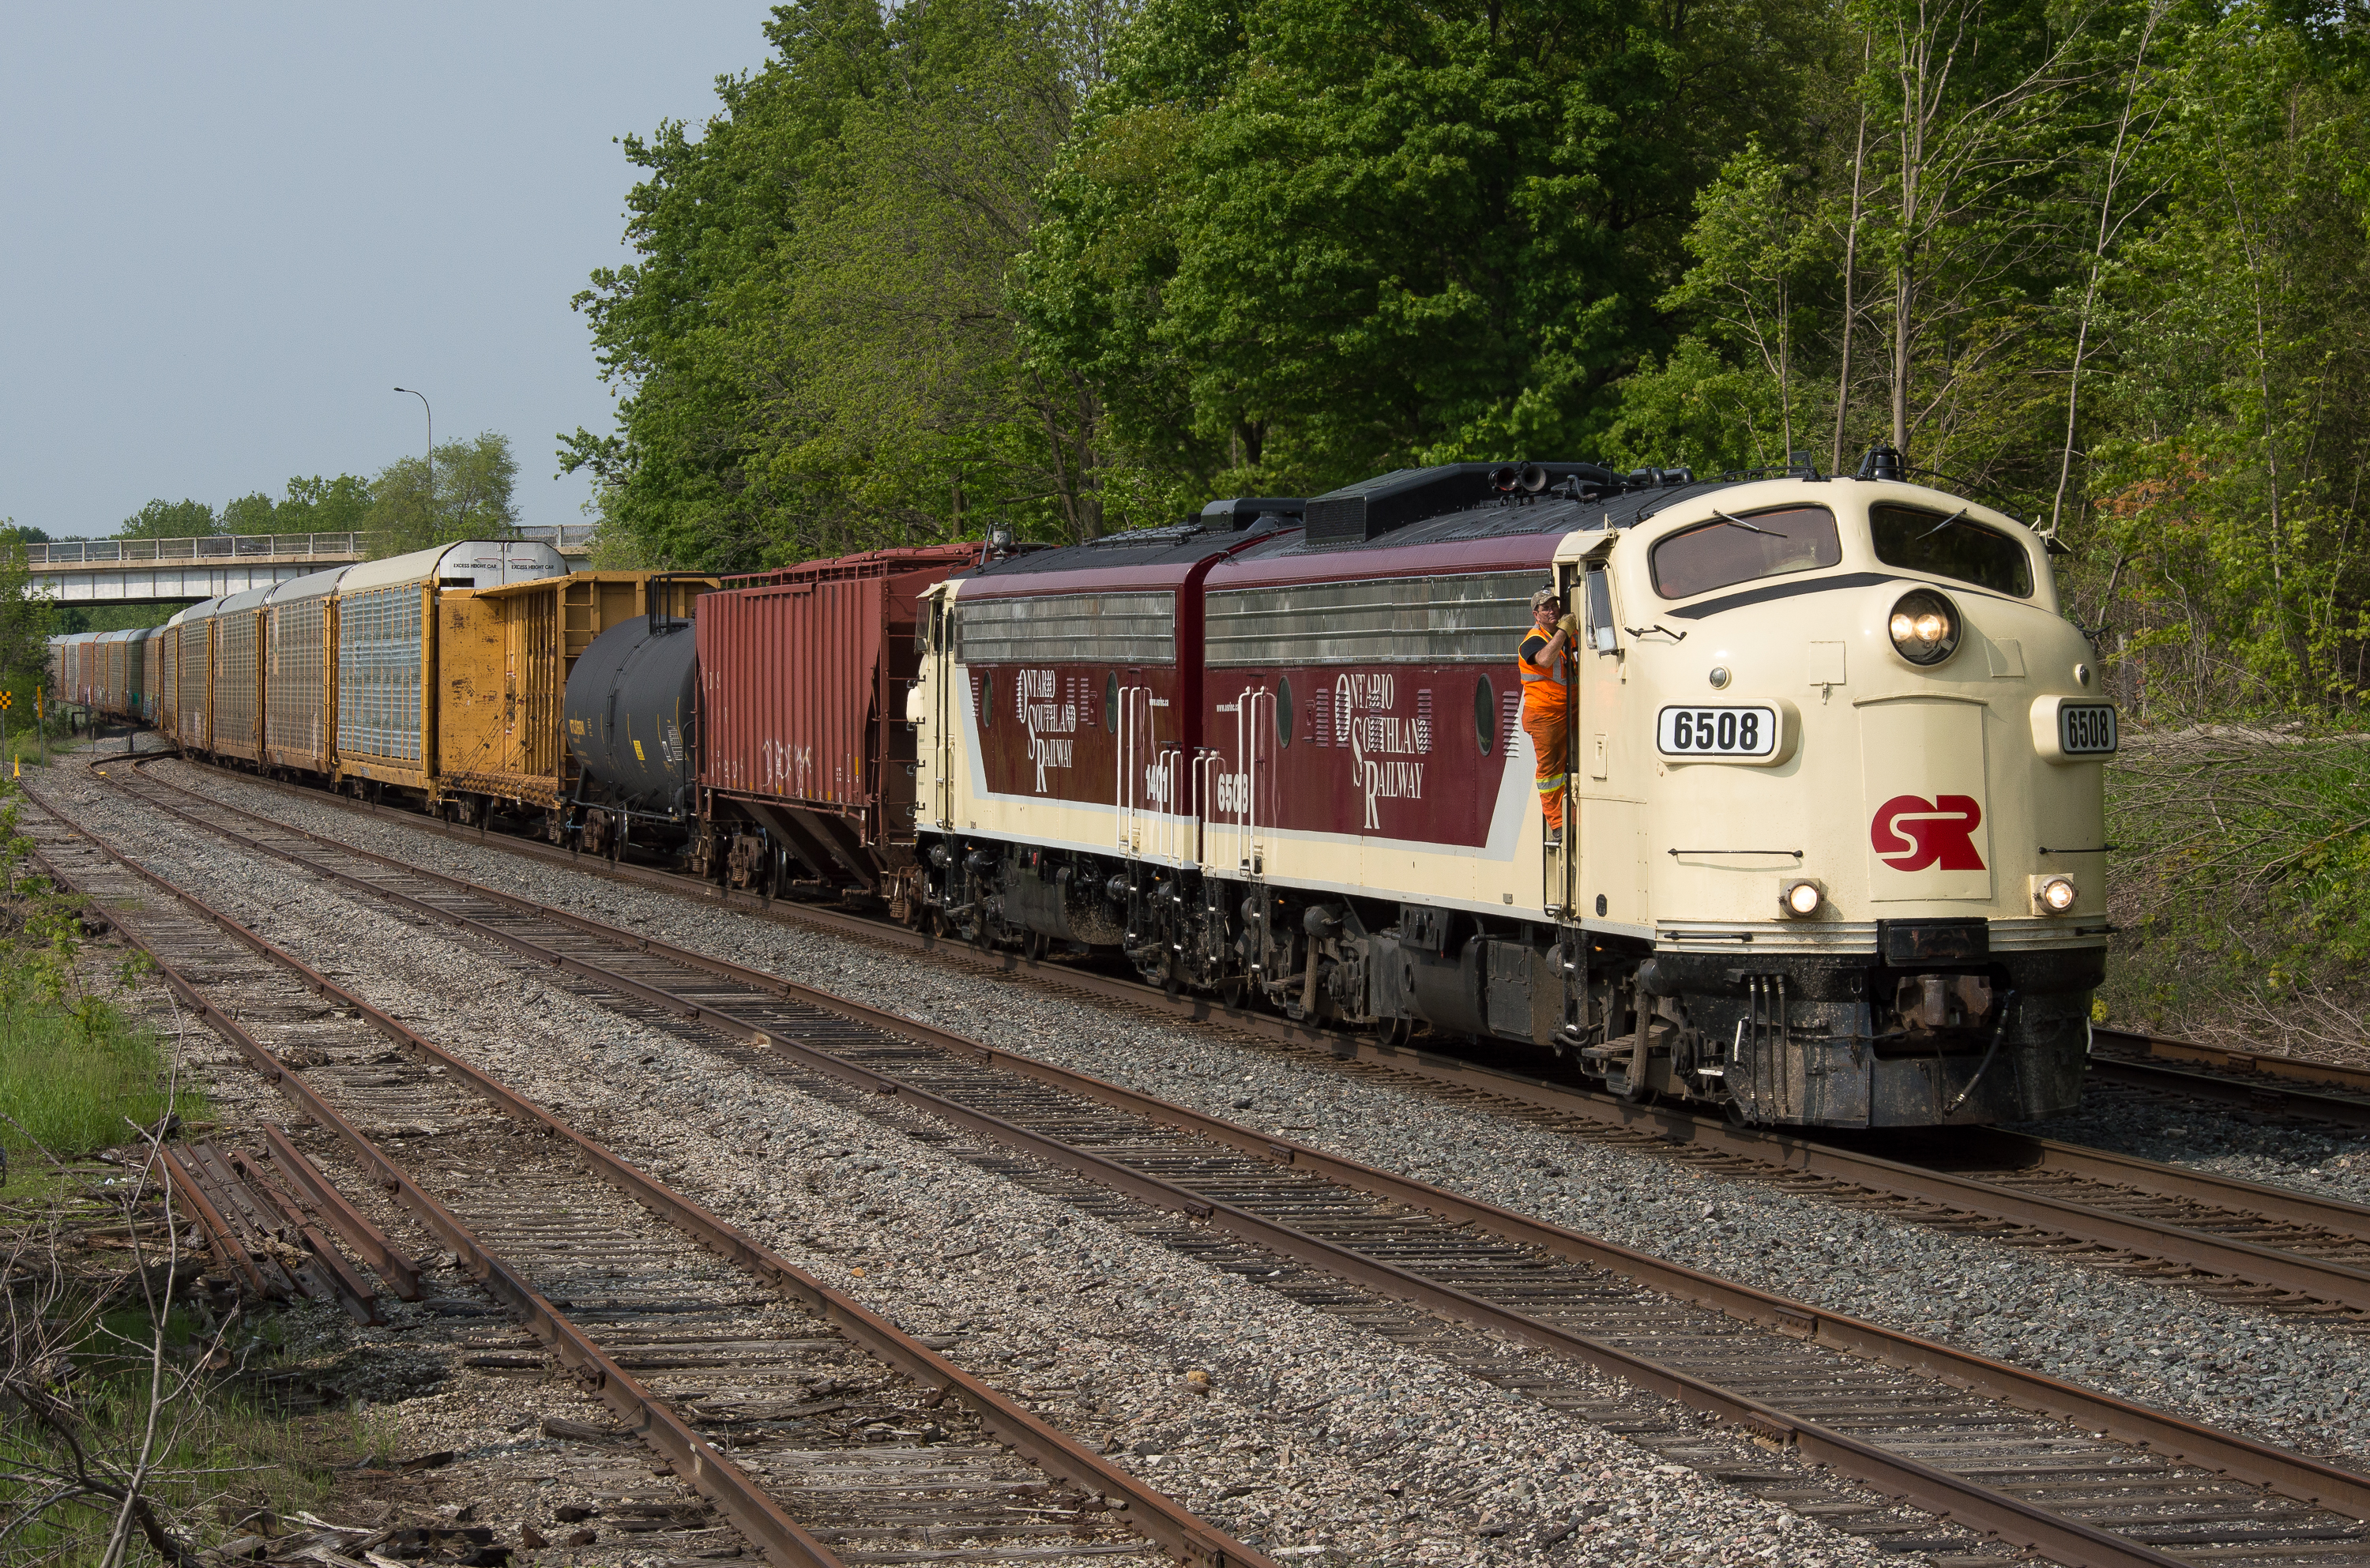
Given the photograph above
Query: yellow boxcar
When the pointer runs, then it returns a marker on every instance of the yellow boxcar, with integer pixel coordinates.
(503, 657)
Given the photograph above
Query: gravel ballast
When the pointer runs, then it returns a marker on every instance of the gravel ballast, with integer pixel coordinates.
(2282, 1378)
(1315, 1438)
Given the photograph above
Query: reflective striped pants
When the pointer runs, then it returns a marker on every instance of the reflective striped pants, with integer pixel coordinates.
(1551, 733)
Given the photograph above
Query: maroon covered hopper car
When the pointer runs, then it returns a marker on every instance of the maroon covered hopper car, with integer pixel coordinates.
(806, 756)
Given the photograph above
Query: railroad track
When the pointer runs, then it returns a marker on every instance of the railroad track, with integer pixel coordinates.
(2242, 1242)
(2262, 1086)
(849, 1440)
(2001, 1451)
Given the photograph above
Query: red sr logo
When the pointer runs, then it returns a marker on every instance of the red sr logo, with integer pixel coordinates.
(1911, 833)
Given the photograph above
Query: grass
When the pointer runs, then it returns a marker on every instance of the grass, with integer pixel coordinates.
(226, 1454)
(76, 1072)
(22, 740)
(2241, 886)
(75, 1085)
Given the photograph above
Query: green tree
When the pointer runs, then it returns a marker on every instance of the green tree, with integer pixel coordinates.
(466, 497)
(26, 615)
(666, 329)
(171, 520)
(1758, 251)
(250, 513)
(316, 505)
(909, 402)
(2232, 400)
(819, 341)
(1446, 241)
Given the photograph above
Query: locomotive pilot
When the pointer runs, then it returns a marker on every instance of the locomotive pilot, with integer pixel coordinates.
(1545, 663)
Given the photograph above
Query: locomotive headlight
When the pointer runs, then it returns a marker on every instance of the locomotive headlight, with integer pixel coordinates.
(2055, 895)
(1802, 898)
(1925, 627)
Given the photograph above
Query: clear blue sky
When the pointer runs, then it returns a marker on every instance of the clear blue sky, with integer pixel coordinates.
(227, 230)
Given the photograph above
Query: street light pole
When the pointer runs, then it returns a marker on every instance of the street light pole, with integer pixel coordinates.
(431, 453)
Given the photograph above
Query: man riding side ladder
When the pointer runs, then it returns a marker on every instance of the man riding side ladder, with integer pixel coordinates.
(1545, 662)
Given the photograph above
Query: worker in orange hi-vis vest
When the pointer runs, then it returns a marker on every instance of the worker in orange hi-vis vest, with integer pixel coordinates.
(1544, 661)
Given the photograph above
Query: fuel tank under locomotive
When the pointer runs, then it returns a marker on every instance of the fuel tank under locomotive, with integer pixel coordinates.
(633, 724)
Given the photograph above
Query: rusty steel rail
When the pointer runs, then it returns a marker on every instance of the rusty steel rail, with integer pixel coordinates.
(2301, 1273)
(2013, 1518)
(2263, 1086)
(737, 1495)
(2292, 1069)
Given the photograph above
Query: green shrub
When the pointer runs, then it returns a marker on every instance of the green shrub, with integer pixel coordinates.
(2241, 885)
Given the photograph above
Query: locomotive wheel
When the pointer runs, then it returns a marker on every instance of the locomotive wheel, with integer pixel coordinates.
(1232, 989)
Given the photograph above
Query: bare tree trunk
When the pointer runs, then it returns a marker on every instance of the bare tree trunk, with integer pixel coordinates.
(2255, 265)
(1851, 257)
(2118, 161)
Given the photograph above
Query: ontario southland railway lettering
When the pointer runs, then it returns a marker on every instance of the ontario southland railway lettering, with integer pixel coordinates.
(1359, 700)
(1050, 720)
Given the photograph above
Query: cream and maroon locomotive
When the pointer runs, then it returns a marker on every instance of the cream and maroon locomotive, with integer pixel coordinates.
(1832, 789)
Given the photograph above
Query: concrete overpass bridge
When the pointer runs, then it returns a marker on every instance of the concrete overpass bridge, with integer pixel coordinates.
(148, 572)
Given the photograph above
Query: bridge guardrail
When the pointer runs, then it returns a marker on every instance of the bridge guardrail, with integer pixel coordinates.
(232, 547)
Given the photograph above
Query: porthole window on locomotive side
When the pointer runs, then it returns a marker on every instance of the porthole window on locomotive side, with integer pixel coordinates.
(1110, 702)
(1745, 548)
(1485, 714)
(1936, 542)
(1284, 712)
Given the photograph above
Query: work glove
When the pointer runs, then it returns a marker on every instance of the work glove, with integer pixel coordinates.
(1570, 625)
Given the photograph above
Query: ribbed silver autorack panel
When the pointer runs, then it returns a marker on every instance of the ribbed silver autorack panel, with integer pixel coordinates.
(378, 673)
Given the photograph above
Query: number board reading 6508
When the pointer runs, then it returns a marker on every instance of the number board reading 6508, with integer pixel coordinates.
(1717, 732)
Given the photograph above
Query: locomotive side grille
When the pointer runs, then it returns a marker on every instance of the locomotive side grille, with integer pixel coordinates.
(1391, 620)
(1069, 628)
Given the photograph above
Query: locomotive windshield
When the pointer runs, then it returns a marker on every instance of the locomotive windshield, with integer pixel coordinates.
(1739, 550)
(1951, 546)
